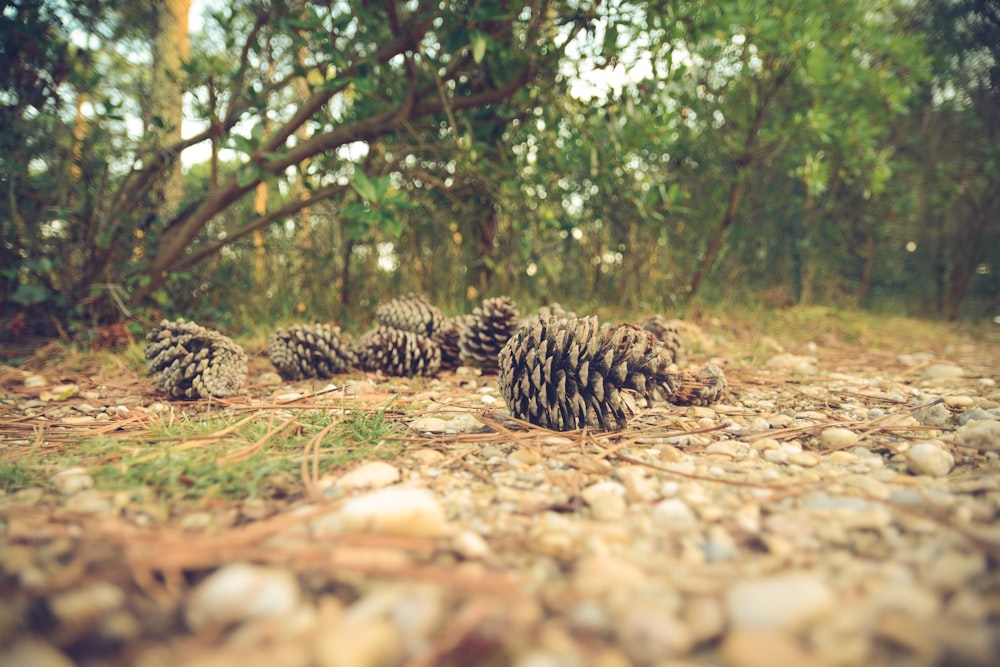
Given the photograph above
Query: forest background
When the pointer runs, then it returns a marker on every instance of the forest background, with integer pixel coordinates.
(255, 162)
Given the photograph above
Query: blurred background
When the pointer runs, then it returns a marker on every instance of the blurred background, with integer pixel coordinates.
(250, 163)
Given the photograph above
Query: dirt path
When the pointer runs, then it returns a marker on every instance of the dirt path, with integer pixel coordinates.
(839, 508)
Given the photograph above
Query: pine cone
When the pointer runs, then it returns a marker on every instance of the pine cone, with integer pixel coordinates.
(305, 351)
(411, 313)
(398, 352)
(447, 338)
(487, 331)
(554, 310)
(667, 333)
(193, 361)
(565, 374)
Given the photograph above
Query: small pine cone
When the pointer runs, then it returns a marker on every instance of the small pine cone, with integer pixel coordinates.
(447, 337)
(411, 313)
(696, 387)
(192, 361)
(305, 351)
(398, 352)
(565, 374)
(666, 331)
(487, 331)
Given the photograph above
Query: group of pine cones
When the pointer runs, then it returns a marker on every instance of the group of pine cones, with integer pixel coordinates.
(554, 369)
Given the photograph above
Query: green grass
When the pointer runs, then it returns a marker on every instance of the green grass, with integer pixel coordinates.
(211, 457)
(15, 475)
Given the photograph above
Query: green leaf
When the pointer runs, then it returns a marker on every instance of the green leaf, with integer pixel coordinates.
(479, 42)
(391, 224)
(355, 211)
(488, 11)
(381, 187)
(247, 175)
(28, 294)
(457, 40)
(363, 185)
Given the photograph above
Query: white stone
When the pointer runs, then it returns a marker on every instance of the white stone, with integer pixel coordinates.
(786, 602)
(395, 511)
(953, 571)
(980, 434)
(606, 500)
(837, 438)
(705, 616)
(942, 372)
(288, 396)
(650, 633)
(726, 447)
(471, 545)
(429, 425)
(35, 381)
(959, 401)
(804, 459)
(803, 365)
(673, 513)
(375, 643)
(241, 592)
(72, 480)
(928, 458)
(370, 475)
(87, 603)
(756, 648)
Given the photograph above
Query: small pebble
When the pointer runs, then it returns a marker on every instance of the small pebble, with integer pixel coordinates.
(983, 435)
(837, 438)
(727, 447)
(673, 513)
(370, 475)
(606, 500)
(928, 458)
(83, 604)
(268, 379)
(802, 365)
(650, 633)
(240, 592)
(804, 459)
(959, 401)
(395, 511)
(71, 480)
(471, 545)
(785, 602)
(756, 648)
(35, 381)
(942, 372)
(429, 425)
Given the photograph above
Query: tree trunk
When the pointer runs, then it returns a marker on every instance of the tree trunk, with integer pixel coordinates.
(736, 191)
(170, 50)
(868, 257)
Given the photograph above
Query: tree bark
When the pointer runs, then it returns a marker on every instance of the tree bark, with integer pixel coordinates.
(170, 50)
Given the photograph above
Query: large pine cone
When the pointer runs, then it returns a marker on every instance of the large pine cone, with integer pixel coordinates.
(554, 310)
(398, 352)
(666, 331)
(565, 374)
(305, 351)
(192, 361)
(411, 313)
(487, 331)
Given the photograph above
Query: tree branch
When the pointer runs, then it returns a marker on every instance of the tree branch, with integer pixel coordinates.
(286, 210)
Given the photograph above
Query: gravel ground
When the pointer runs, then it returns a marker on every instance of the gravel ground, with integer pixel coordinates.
(839, 508)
